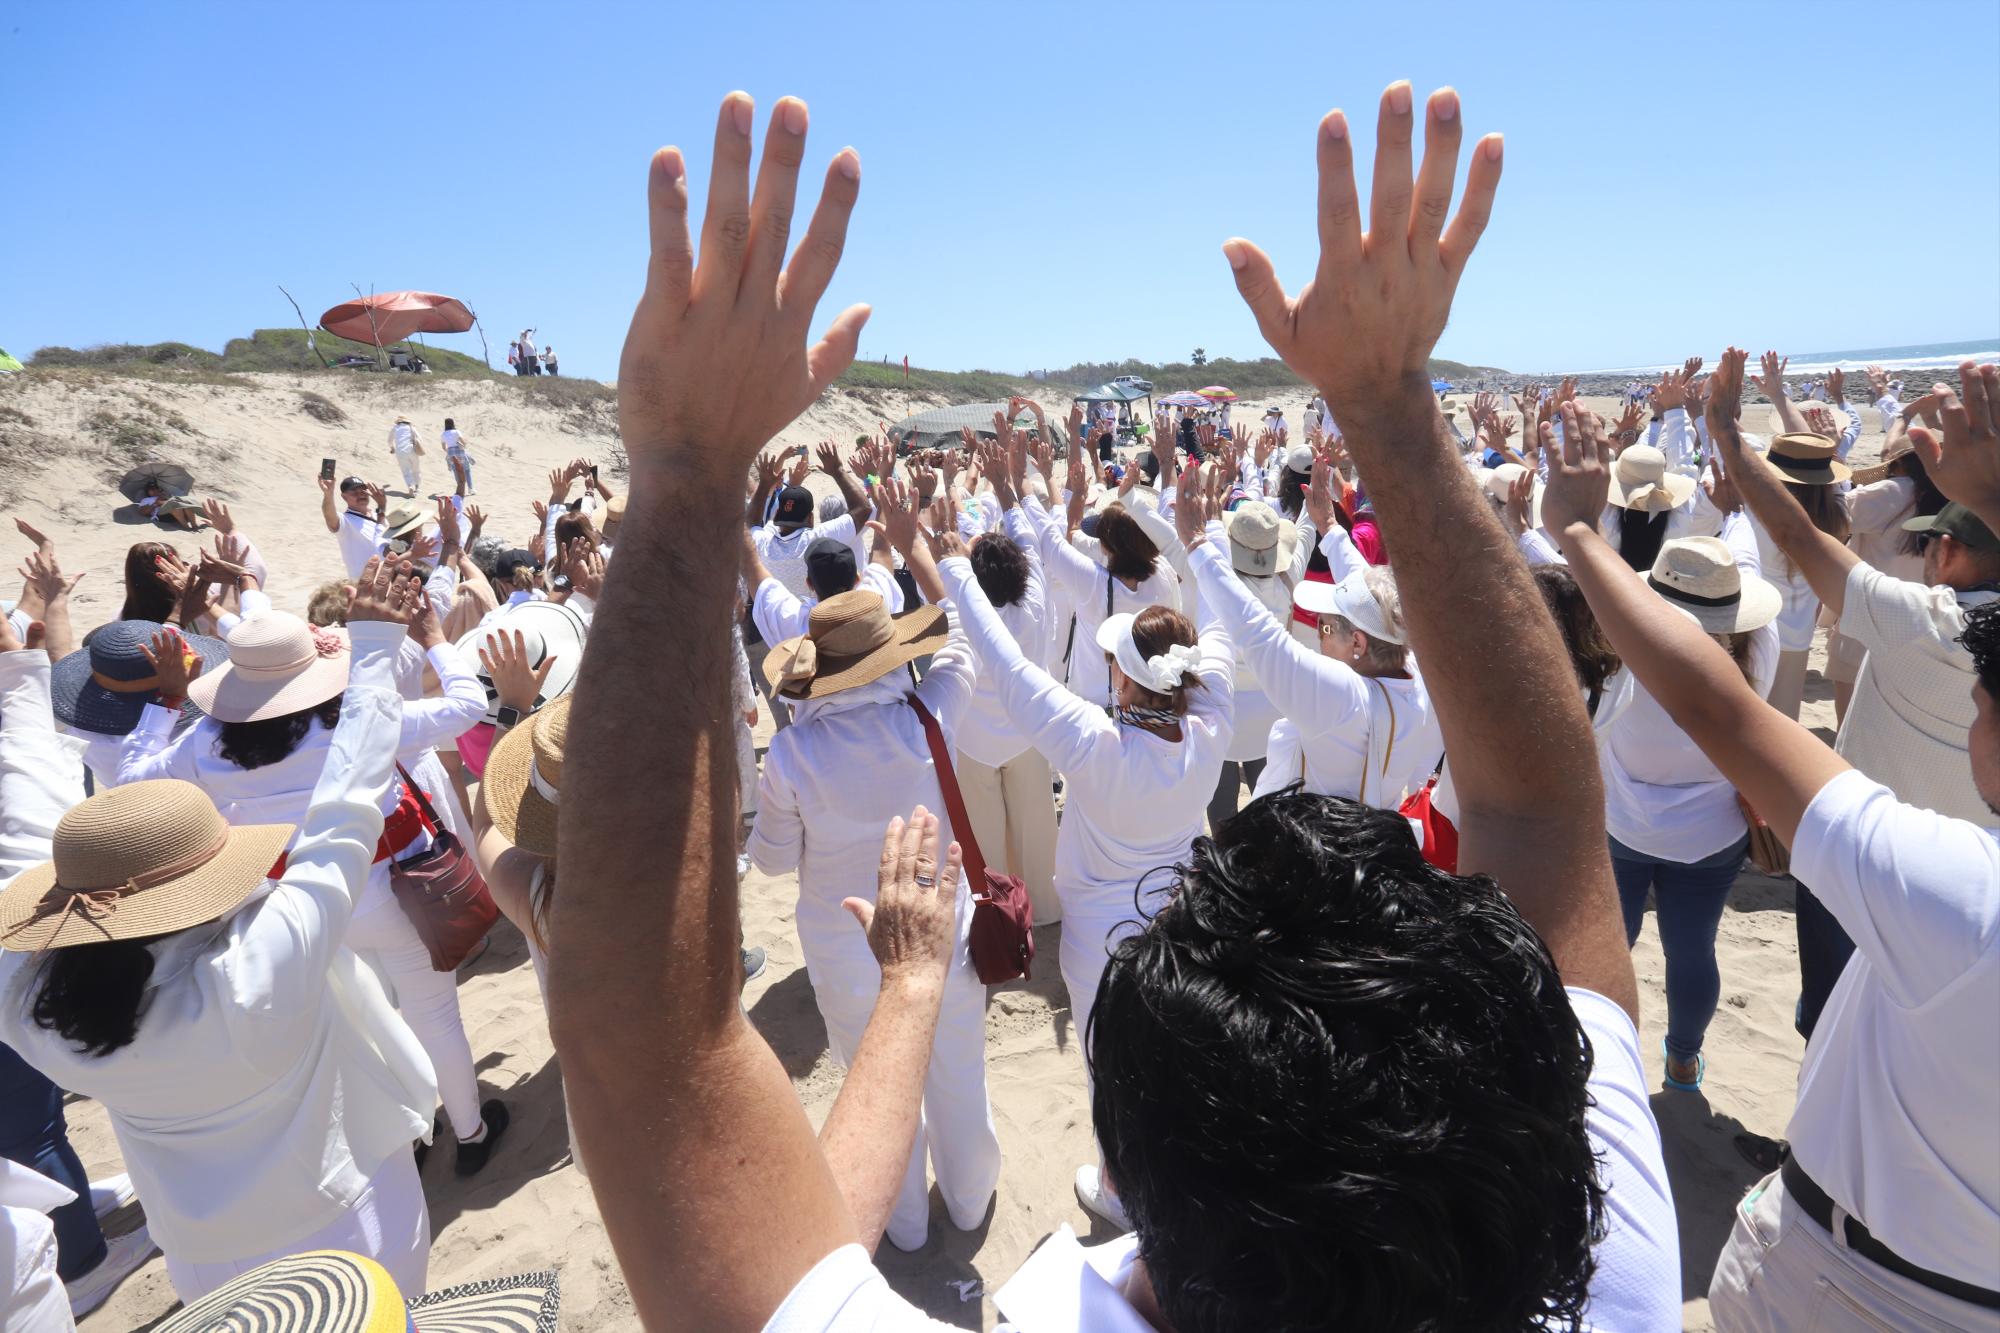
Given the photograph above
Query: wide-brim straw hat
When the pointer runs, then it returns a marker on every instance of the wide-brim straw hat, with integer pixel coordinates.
(851, 640)
(1641, 480)
(333, 1291)
(404, 517)
(523, 780)
(547, 629)
(144, 859)
(1701, 577)
(278, 664)
(1891, 451)
(104, 686)
(1260, 542)
(1810, 460)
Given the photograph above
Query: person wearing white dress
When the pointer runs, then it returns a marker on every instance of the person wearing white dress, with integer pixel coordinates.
(1137, 780)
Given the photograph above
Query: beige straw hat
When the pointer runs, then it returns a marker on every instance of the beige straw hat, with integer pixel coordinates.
(334, 1291)
(145, 859)
(1700, 576)
(278, 664)
(1259, 541)
(1810, 460)
(1640, 480)
(524, 778)
(851, 639)
(404, 517)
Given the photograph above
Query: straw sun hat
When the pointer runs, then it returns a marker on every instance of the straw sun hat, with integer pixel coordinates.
(1811, 460)
(851, 640)
(1640, 480)
(1259, 541)
(523, 779)
(1700, 576)
(145, 859)
(332, 1291)
(278, 664)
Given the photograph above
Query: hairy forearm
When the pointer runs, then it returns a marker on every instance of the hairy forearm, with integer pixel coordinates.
(856, 499)
(868, 1133)
(758, 499)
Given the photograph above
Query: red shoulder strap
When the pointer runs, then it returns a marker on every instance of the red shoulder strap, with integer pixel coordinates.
(954, 801)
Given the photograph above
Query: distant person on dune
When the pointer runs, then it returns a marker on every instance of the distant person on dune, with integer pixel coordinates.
(549, 360)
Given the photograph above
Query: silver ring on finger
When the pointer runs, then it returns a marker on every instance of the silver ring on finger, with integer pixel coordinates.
(926, 881)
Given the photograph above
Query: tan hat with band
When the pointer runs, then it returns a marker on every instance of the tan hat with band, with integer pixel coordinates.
(850, 640)
(1260, 542)
(523, 779)
(145, 859)
(278, 664)
(1640, 480)
(1810, 460)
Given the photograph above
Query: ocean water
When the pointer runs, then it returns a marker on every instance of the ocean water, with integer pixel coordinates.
(1896, 360)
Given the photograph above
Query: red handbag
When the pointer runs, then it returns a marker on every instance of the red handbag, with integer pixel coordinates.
(1003, 918)
(1440, 836)
(442, 892)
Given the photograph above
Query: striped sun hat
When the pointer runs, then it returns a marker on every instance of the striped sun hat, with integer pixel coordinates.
(331, 1291)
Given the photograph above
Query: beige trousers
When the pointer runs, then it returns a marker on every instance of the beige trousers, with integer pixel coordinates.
(1781, 1271)
(1013, 814)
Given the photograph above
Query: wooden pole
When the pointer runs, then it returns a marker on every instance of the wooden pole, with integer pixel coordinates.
(312, 342)
(374, 330)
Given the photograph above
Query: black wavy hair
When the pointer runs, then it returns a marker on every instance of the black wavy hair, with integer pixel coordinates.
(1982, 639)
(255, 744)
(1001, 567)
(94, 995)
(1336, 1087)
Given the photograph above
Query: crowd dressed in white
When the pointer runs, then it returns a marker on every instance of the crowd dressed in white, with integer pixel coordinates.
(1347, 767)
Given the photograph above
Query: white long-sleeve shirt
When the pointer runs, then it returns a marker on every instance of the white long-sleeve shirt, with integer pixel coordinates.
(833, 780)
(270, 1078)
(781, 614)
(1328, 711)
(403, 438)
(988, 733)
(1890, 408)
(1134, 801)
(1089, 587)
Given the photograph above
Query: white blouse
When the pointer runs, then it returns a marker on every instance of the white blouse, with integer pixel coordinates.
(1134, 801)
(1329, 711)
(988, 733)
(270, 1079)
(1089, 586)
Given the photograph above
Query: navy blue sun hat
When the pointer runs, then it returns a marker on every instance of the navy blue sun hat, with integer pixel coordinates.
(101, 687)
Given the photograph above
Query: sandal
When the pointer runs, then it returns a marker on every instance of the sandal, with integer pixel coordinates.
(1700, 1071)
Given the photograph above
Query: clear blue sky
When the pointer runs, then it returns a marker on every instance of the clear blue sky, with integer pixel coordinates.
(1040, 185)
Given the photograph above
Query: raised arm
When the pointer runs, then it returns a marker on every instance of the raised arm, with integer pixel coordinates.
(329, 504)
(1521, 749)
(646, 990)
(1777, 764)
(39, 782)
(851, 493)
(1963, 457)
(1824, 561)
(1772, 382)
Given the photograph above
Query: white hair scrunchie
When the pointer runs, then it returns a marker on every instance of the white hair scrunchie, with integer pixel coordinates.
(1171, 667)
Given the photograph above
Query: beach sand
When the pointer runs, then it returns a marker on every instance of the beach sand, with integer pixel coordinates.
(530, 1210)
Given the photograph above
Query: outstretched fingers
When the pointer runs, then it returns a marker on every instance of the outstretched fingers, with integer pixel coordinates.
(777, 192)
(1482, 181)
(818, 255)
(834, 352)
(670, 267)
(1257, 283)
(1443, 129)
(725, 227)
(1339, 204)
(1389, 196)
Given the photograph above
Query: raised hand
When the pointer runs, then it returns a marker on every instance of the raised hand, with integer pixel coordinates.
(829, 458)
(1725, 392)
(43, 575)
(1191, 509)
(1075, 426)
(218, 515)
(801, 469)
(1579, 482)
(475, 519)
(1319, 495)
(897, 508)
(585, 567)
(1772, 381)
(1720, 485)
(1627, 430)
(503, 659)
(1671, 392)
(1878, 382)
(447, 521)
(1378, 300)
(541, 513)
(423, 548)
(716, 362)
(1566, 392)
(385, 591)
(1964, 457)
(174, 663)
(1836, 385)
(377, 497)
(1520, 503)
(770, 466)
(1690, 368)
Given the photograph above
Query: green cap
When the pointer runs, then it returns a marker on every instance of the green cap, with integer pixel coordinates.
(1959, 523)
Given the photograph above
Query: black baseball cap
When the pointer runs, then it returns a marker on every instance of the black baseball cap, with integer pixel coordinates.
(830, 567)
(507, 562)
(1958, 522)
(353, 484)
(795, 506)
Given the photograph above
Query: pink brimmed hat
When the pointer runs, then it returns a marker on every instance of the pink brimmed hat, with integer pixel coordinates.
(278, 664)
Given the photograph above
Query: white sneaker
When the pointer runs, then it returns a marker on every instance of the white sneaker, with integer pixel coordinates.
(110, 1194)
(123, 1256)
(1091, 1193)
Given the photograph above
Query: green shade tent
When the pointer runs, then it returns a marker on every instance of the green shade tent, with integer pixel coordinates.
(1113, 393)
(7, 363)
(940, 425)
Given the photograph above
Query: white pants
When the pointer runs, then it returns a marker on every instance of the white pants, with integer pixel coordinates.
(1093, 921)
(412, 469)
(957, 1124)
(389, 1223)
(37, 1302)
(1781, 1270)
(1012, 809)
(427, 999)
